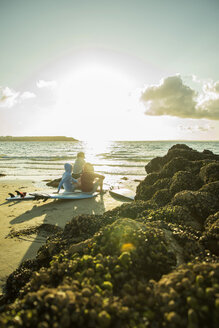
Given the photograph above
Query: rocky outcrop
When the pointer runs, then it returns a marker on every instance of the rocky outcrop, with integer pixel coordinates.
(149, 263)
(179, 151)
(182, 169)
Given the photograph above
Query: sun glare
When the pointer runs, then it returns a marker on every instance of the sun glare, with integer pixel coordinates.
(93, 97)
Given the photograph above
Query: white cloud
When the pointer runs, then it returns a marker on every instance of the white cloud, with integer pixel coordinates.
(174, 98)
(46, 84)
(211, 87)
(10, 97)
(27, 95)
(170, 97)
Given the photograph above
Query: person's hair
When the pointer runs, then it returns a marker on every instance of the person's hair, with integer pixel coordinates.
(88, 167)
(80, 154)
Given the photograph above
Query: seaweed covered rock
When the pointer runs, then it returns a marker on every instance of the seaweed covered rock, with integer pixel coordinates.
(147, 241)
(176, 164)
(180, 228)
(212, 187)
(183, 180)
(83, 227)
(19, 278)
(210, 172)
(146, 192)
(189, 153)
(210, 237)
(186, 152)
(100, 286)
(200, 204)
(162, 197)
(188, 297)
(154, 165)
(182, 168)
(151, 178)
(179, 215)
(130, 210)
(179, 151)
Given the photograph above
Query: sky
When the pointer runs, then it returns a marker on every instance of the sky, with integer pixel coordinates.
(110, 70)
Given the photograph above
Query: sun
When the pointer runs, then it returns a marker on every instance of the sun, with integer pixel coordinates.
(93, 97)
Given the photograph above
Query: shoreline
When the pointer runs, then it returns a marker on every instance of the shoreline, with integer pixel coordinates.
(23, 215)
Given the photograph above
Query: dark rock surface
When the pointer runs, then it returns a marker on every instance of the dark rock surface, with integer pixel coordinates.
(54, 183)
(149, 263)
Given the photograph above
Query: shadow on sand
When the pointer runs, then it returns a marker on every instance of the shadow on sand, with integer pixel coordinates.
(54, 213)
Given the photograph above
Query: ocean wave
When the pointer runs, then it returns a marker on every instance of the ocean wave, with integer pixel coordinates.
(122, 173)
(129, 158)
(15, 174)
(39, 158)
(119, 159)
(118, 165)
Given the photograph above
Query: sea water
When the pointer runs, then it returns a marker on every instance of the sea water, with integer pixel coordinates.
(117, 160)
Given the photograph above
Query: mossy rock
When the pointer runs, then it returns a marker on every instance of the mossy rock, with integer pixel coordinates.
(151, 178)
(144, 192)
(183, 180)
(176, 164)
(172, 214)
(210, 237)
(182, 150)
(83, 226)
(162, 183)
(128, 210)
(212, 187)
(155, 165)
(162, 197)
(199, 204)
(179, 147)
(190, 292)
(210, 172)
(119, 260)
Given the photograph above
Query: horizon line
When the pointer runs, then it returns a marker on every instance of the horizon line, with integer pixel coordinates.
(124, 140)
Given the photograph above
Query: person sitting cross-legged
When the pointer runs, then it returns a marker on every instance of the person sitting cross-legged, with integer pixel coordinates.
(89, 181)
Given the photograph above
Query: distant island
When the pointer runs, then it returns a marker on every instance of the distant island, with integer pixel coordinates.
(46, 138)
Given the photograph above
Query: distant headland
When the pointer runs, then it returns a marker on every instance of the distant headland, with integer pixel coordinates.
(41, 138)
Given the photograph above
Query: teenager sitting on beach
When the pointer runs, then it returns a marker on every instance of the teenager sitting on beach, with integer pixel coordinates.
(67, 181)
(78, 165)
(89, 180)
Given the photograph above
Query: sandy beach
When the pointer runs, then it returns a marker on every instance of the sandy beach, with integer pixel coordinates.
(22, 215)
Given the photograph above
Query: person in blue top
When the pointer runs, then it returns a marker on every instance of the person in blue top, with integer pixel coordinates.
(67, 181)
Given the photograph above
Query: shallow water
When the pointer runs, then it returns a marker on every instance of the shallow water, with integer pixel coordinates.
(115, 159)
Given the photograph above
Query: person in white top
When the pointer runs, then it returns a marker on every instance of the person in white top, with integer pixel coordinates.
(78, 165)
